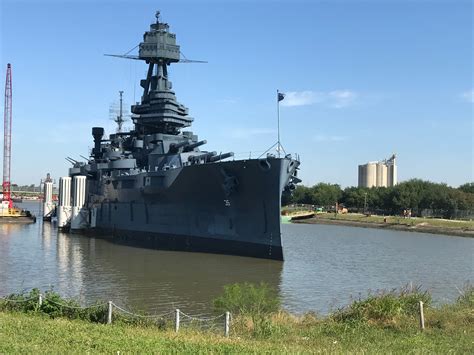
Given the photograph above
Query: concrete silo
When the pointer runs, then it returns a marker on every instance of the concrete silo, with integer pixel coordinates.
(379, 174)
(392, 171)
(368, 175)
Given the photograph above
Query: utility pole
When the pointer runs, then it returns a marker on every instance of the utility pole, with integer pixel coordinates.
(365, 202)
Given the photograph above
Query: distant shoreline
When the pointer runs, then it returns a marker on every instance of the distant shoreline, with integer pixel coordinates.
(420, 228)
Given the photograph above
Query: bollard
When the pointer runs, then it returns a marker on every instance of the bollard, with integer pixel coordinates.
(40, 300)
(422, 317)
(227, 324)
(176, 322)
(109, 313)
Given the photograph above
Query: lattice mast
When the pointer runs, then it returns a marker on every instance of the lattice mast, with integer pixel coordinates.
(7, 137)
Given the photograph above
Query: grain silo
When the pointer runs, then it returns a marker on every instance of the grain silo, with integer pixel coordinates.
(392, 171)
(379, 174)
(368, 175)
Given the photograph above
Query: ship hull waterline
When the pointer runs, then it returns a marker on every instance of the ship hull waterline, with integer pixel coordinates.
(189, 243)
(196, 212)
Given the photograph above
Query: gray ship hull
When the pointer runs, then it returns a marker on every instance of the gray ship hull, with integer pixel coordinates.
(227, 207)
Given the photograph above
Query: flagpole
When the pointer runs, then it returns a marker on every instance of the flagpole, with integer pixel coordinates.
(278, 114)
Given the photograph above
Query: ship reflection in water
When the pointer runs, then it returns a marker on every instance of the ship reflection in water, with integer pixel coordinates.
(324, 266)
(92, 269)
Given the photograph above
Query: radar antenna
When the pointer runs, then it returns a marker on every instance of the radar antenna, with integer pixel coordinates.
(118, 114)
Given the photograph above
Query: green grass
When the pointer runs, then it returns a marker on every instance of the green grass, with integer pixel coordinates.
(381, 323)
(414, 221)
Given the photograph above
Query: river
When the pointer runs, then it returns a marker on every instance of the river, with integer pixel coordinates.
(324, 267)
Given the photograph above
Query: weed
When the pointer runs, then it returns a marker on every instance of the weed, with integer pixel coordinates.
(248, 299)
(384, 306)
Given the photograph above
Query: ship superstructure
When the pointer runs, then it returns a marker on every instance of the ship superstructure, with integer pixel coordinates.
(153, 186)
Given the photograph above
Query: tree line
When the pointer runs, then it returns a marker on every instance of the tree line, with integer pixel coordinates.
(421, 197)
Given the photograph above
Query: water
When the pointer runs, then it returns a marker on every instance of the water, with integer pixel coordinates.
(324, 267)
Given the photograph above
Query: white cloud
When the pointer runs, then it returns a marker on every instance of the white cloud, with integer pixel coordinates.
(468, 96)
(242, 133)
(301, 98)
(342, 98)
(334, 99)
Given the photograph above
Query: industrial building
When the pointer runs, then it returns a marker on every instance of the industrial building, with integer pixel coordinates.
(379, 173)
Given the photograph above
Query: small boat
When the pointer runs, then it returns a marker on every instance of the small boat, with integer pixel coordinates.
(297, 215)
(15, 215)
(302, 215)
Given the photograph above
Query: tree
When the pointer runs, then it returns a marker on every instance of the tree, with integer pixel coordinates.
(326, 194)
(467, 187)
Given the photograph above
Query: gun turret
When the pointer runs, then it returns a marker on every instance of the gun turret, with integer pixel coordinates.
(220, 157)
(191, 146)
(196, 158)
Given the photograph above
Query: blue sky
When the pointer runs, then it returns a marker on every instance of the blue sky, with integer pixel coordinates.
(364, 79)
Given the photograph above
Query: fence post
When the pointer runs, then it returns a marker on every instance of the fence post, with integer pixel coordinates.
(227, 324)
(109, 313)
(40, 300)
(422, 317)
(176, 321)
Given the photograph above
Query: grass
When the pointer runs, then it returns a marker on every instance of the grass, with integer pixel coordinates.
(395, 220)
(381, 323)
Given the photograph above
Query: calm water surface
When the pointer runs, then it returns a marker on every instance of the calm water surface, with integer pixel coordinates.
(324, 266)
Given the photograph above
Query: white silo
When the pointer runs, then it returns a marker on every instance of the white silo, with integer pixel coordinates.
(368, 175)
(371, 174)
(381, 179)
(48, 206)
(392, 172)
(64, 205)
(79, 217)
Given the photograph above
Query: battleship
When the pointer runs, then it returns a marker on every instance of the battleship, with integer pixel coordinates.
(153, 186)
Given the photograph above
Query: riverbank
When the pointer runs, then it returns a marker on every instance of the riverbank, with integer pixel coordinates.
(23, 333)
(386, 323)
(414, 224)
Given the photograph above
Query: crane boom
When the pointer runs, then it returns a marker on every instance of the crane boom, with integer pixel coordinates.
(7, 137)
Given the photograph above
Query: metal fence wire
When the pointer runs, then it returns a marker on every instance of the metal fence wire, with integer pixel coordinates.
(175, 317)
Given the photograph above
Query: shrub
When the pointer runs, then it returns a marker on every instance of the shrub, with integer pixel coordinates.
(54, 306)
(466, 299)
(248, 299)
(384, 306)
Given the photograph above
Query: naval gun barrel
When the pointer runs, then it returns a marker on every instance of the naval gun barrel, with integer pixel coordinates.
(175, 146)
(205, 157)
(191, 146)
(221, 156)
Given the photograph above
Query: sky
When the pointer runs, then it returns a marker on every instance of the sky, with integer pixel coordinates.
(363, 80)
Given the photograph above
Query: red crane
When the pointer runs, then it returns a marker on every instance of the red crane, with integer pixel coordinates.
(7, 137)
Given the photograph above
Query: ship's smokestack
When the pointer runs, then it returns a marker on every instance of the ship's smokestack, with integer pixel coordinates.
(97, 133)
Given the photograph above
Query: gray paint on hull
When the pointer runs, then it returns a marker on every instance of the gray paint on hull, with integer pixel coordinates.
(197, 205)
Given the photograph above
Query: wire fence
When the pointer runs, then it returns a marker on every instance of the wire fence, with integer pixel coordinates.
(176, 317)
